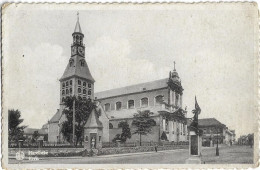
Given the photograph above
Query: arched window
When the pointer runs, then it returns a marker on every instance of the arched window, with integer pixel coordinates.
(67, 83)
(110, 126)
(63, 84)
(118, 105)
(131, 104)
(84, 91)
(70, 90)
(89, 92)
(79, 90)
(63, 99)
(158, 99)
(84, 84)
(86, 138)
(79, 82)
(176, 99)
(70, 82)
(107, 107)
(144, 102)
(89, 85)
(63, 92)
(82, 63)
(67, 91)
(71, 62)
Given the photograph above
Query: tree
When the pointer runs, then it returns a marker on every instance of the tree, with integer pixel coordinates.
(35, 136)
(143, 123)
(164, 136)
(126, 132)
(15, 130)
(83, 108)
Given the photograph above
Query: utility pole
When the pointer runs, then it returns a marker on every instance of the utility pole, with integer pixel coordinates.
(73, 123)
(217, 149)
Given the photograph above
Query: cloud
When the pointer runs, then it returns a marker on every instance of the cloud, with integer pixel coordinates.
(112, 67)
(32, 83)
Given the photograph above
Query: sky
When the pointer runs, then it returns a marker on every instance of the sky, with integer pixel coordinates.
(213, 47)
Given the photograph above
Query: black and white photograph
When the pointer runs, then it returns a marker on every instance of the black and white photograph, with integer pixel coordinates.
(125, 85)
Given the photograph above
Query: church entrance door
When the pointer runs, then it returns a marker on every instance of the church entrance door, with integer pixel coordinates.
(93, 140)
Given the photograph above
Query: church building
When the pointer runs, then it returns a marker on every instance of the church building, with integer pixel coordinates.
(161, 97)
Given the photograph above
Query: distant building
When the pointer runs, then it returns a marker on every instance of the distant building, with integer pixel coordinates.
(28, 133)
(215, 131)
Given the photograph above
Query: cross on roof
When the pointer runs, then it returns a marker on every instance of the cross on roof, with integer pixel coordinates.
(174, 65)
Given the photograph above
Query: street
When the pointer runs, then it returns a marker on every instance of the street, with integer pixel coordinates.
(233, 154)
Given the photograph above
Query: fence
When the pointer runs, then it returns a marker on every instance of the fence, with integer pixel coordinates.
(134, 144)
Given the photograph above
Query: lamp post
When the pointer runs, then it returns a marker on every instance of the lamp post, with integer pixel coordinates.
(217, 149)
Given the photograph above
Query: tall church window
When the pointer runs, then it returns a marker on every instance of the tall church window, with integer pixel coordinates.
(82, 63)
(176, 99)
(63, 99)
(84, 91)
(118, 105)
(89, 92)
(167, 125)
(79, 90)
(110, 126)
(131, 104)
(89, 85)
(71, 62)
(70, 82)
(67, 83)
(84, 84)
(158, 99)
(67, 91)
(70, 90)
(144, 102)
(63, 84)
(79, 82)
(107, 107)
(63, 92)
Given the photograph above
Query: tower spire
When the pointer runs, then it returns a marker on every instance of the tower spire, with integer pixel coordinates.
(77, 27)
(174, 66)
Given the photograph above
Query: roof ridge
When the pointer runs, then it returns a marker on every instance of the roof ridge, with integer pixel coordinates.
(131, 85)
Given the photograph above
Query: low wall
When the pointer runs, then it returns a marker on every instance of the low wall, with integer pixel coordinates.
(63, 152)
(110, 151)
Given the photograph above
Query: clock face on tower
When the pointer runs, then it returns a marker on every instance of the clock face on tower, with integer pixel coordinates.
(81, 51)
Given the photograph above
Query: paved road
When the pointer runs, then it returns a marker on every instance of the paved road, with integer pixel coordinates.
(228, 155)
(164, 157)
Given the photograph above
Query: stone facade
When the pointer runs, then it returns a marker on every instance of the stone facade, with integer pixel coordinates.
(162, 97)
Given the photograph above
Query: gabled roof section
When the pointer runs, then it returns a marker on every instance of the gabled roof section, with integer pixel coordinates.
(158, 84)
(77, 70)
(56, 117)
(93, 121)
(30, 131)
(210, 122)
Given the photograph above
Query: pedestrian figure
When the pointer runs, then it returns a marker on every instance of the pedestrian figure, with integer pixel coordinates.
(155, 147)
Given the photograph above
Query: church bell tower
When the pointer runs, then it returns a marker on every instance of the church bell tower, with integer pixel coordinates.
(77, 79)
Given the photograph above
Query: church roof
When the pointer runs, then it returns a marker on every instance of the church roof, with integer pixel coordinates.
(93, 121)
(133, 89)
(77, 70)
(56, 117)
